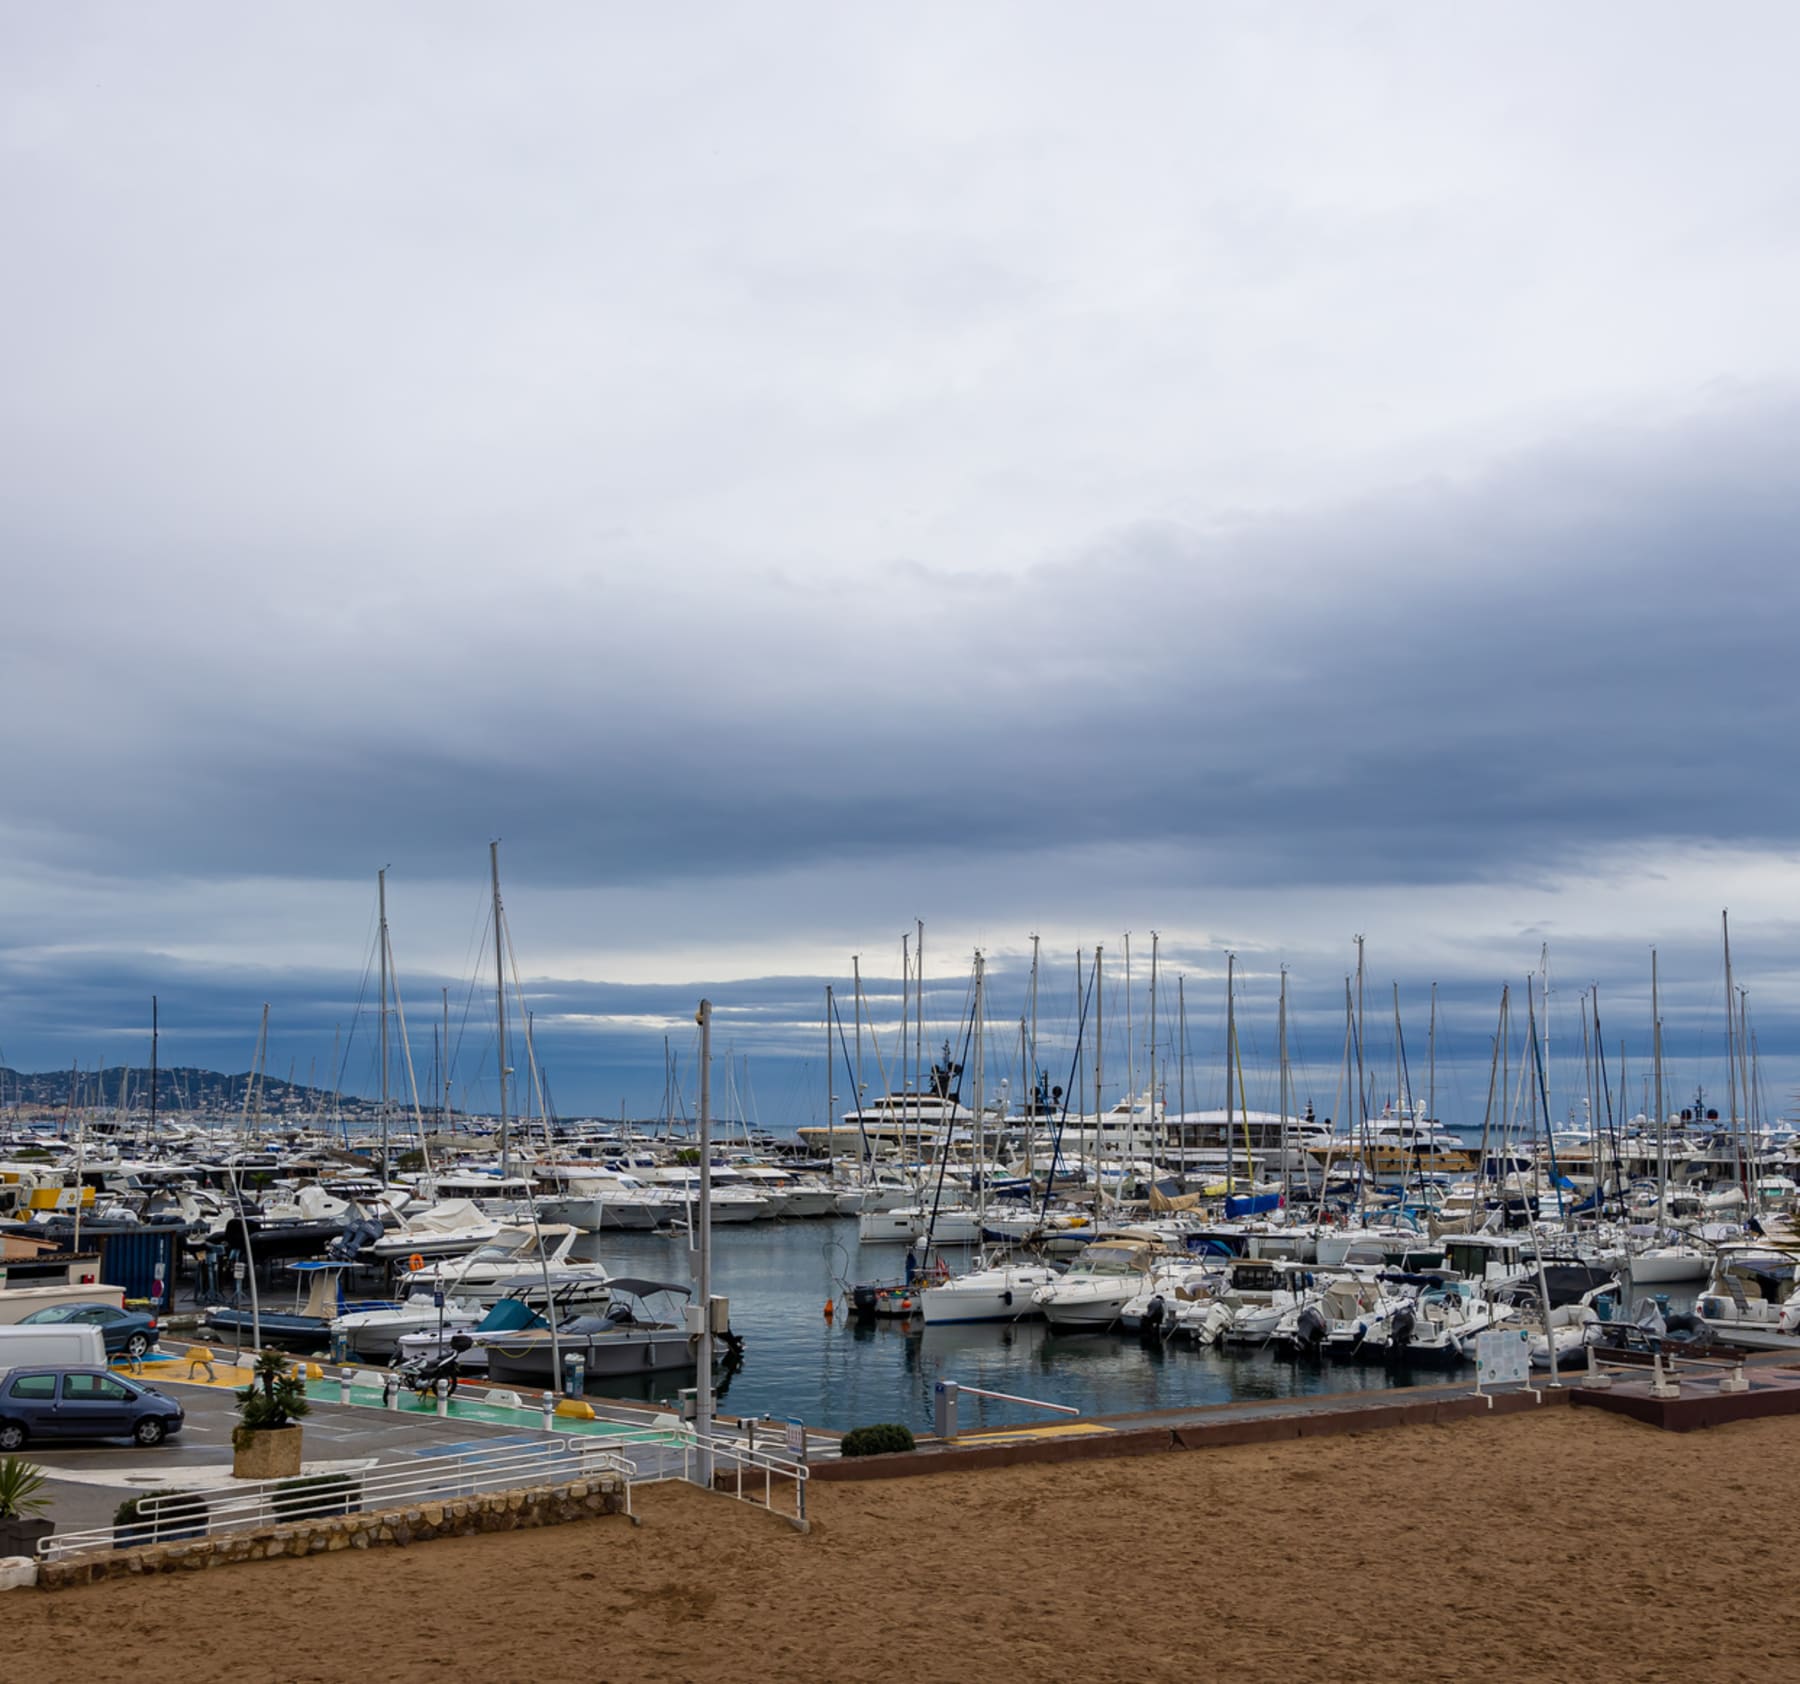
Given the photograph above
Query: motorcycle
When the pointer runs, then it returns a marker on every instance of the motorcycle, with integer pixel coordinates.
(422, 1374)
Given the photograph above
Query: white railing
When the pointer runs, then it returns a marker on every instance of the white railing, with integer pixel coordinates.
(167, 1516)
(732, 1461)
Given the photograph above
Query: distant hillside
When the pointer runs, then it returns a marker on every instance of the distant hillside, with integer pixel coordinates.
(181, 1089)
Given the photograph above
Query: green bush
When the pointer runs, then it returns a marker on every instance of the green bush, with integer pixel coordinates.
(317, 1494)
(879, 1440)
(176, 1519)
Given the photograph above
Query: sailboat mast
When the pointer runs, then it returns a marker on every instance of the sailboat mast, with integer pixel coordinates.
(1230, 1065)
(1287, 1152)
(905, 986)
(980, 1112)
(1099, 1051)
(1155, 1127)
(500, 1010)
(153, 1039)
(1031, 1083)
(381, 937)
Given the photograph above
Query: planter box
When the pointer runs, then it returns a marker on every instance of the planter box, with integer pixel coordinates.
(20, 1536)
(270, 1454)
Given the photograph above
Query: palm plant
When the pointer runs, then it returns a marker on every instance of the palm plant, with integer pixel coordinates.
(21, 1485)
(275, 1398)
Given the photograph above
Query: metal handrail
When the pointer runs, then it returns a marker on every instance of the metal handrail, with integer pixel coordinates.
(744, 1456)
(381, 1485)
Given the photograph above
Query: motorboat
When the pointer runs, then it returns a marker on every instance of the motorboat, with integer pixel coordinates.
(1098, 1285)
(628, 1338)
(318, 1302)
(516, 1260)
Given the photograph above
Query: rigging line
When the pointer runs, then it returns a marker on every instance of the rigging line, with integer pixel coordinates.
(361, 994)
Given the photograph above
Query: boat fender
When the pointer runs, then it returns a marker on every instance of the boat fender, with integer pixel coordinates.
(1006, 1297)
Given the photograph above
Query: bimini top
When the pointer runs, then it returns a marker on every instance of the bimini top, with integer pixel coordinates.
(642, 1289)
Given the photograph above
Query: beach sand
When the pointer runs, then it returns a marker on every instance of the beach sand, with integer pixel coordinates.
(1568, 1545)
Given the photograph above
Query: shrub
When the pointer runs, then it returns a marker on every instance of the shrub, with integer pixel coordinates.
(183, 1519)
(879, 1440)
(317, 1494)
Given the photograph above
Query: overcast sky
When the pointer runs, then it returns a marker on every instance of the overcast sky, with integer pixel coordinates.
(1263, 476)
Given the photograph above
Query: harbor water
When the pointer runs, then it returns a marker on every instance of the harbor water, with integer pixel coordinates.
(841, 1373)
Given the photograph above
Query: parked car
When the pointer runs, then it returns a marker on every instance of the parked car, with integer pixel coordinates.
(127, 1333)
(47, 1403)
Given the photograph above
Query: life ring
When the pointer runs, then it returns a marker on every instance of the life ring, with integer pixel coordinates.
(415, 1262)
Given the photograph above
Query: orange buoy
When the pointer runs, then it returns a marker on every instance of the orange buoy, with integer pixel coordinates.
(830, 1309)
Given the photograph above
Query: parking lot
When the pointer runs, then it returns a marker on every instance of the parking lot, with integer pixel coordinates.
(88, 1480)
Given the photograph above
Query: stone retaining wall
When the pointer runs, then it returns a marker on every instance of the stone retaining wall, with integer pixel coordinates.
(488, 1511)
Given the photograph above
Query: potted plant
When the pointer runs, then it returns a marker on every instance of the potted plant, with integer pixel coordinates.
(265, 1444)
(22, 1503)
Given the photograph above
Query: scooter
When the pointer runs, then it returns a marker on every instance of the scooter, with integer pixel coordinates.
(422, 1374)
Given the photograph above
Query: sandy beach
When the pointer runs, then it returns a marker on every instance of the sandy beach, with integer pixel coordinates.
(1571, 1544)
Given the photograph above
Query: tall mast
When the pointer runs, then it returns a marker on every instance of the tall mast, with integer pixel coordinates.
(500, 1010)
(1362, 1091)
(980, 1113)
(1287, 1154)
(856, 1099)
(1230, 1061)
(905, 986)
(1155, 1130)
(444, 1103)
(382, 938)
(153, 1038)
(1099, 1051)
(1731, 1082)
(1031, 1084)
(1130, 1063)
(919, 1043)
(1181, 1063)
(829, 1095)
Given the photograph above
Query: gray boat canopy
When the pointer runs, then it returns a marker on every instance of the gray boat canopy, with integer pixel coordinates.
(642, 1289)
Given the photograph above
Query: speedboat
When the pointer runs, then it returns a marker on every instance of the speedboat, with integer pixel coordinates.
(620, 1342)
(1100, 1283)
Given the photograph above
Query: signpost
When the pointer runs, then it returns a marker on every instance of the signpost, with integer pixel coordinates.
(1502, 1358)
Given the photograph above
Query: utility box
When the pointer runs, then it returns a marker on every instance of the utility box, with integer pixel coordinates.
(574, 1373)
(944, 1409)
(721, 1315)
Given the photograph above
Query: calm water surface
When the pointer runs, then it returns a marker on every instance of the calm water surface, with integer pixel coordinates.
(844, 1374)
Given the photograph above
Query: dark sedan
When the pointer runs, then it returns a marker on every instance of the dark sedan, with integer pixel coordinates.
(48, 1403)
(127, 1333)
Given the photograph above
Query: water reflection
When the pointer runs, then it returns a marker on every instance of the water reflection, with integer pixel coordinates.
(841, 1372)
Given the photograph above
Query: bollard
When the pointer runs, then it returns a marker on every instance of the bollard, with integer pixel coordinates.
(390, 1391)
(1662, 1385)
(344, 1387)
(944, 1411)
(442, 1388)
(549, 1410)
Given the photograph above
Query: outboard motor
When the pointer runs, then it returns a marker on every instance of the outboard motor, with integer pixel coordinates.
(1309, 1330)
(1151, 1325)
(863, 1301)
(1400, 1329)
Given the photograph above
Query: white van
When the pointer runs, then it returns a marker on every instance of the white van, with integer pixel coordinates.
(52, 1347)
(18, 1302)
